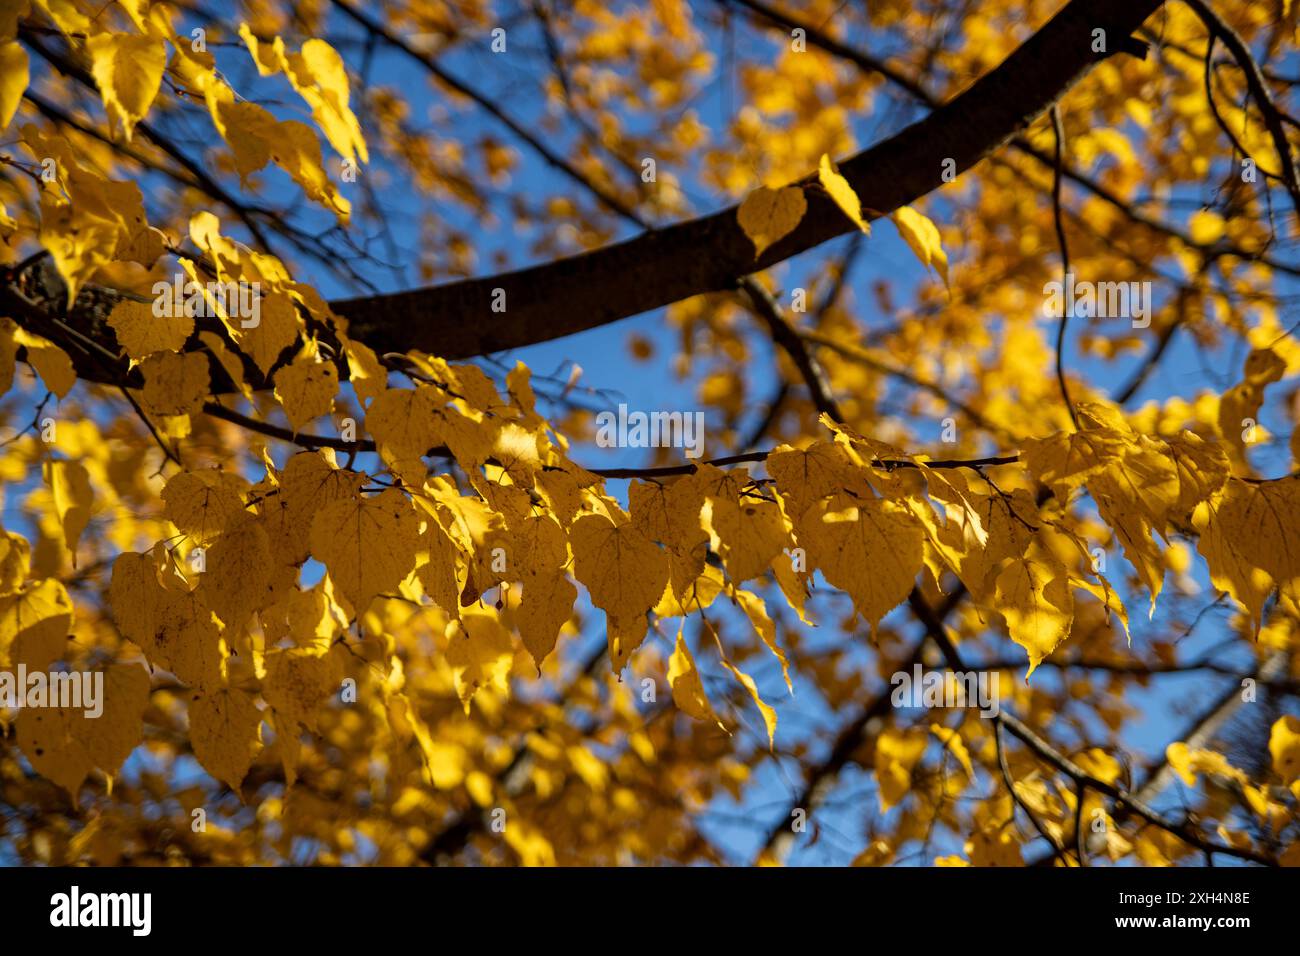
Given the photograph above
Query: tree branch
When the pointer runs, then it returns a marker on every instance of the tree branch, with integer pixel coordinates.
(1258, 89)
(712, 253)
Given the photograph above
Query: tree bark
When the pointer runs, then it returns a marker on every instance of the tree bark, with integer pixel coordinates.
(708, 254)
(712, 254)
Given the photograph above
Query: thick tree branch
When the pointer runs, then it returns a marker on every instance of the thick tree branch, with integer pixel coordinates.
(711, 254)
(870, 64)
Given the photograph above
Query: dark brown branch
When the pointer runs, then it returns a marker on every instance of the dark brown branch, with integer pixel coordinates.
(787, 337)
(870, 64)
(1258, 90)
(1058, 147)
(711, 254)
(313, 441)
(1057, 849)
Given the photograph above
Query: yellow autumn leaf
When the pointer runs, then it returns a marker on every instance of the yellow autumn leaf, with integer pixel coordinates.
(298, 682)
(15, 561)
(530, 845)
(296, 150)
(13, 80)
(70, 17)
(897, 754)
(622, 569)
(768, 714)
(688, 689)
(546, 607)
(535, 554)
(276, 330)
(306, 387)
(1190, 764)
(239, 575)
(309, 481)
(402, 422)
(1248, 537)
(51, 362)
(838, 188)
(922, 236)
(767, 215)
(480, 653)
(328, 97)
(65, 744)
(318, 74)
(1100, 764)
(368, 376)
(225, 728)
(70, 485)
(1284, 747)
(444, 571)
(187, 640)
(869, 548)
(256, 137)
(174, 383)
(141, 333)
(1135, 496)
(202, 504)
(670, 513)
(111, 737)
(133, 595)
(368, 544)
(128, 70)
(1033, 593)
(756, 611)
(750, 530)
(173, 625)
(35, 623)
(622, 637)
(1205, 226)
(228, 361)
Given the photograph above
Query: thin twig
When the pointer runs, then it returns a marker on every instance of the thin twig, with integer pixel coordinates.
(1058, 147)
(1046, 834)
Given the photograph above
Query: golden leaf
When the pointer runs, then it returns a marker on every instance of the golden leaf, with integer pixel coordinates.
(767, 215)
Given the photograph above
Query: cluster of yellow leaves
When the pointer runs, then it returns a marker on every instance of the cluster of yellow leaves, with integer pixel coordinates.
(176, 383)
(221, 604)
(36, 623)
(1221, 779)
(768, 215)
(863, 514)
(1146, 488)
(14, 67)
(88, 221)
